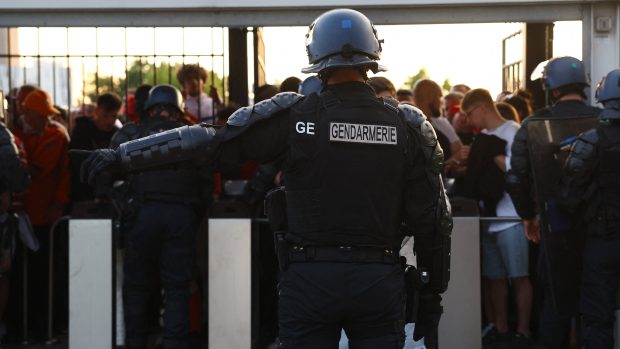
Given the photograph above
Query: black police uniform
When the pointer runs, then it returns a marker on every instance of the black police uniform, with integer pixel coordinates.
(360, 173)
(592, 189)
(554, 323)
(13, 175)
(161, 213)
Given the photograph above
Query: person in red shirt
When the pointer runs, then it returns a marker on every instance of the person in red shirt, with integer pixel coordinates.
(46, 143)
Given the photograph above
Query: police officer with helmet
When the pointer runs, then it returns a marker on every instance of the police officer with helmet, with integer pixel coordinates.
(538, 154)
(361, 172)
(161, 209)
(591, 189)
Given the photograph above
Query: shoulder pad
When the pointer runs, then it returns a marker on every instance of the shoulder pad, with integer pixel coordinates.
(264, 109)
(584, 146)
(128, 132)
(390, 103)
(414, 116)
(590, 136)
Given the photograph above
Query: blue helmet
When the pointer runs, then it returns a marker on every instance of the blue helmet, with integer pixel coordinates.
(564, 71)
(608, 93)
(164, 95)
(311, 85)
(342, 38)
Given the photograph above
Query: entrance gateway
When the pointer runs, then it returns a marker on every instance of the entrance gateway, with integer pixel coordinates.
(600, 33)
(601, 53)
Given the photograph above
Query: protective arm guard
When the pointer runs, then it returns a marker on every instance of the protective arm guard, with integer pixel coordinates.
(518, 180)
(188, 142)
(432, 238)
(172, 146)
(13, 175)
(577, 184)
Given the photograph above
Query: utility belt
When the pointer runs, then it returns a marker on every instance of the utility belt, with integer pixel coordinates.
(289, 252)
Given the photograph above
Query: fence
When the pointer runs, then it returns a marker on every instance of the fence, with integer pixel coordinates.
(75, 65)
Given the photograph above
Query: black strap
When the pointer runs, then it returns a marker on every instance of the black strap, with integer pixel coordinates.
(390, 103)
(342, 254)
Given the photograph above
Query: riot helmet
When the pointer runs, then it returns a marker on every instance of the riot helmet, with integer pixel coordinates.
(165, 95)
(608, 93)
(342, 38)
(310, 85)
(564, 71)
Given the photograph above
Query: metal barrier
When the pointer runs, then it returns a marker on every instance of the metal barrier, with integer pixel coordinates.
(50, 299)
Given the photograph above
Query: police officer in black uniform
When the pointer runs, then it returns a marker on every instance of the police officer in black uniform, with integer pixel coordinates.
(13, 175)
(360, 172)
(533, 184)
(591, 189)
(160, 217)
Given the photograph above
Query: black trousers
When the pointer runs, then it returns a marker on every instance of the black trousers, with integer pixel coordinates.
(162, 238)
(599, 288)
(318, 300)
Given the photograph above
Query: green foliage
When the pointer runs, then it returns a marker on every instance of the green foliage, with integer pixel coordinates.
(143, 73)
(446, 85)
(422, 74)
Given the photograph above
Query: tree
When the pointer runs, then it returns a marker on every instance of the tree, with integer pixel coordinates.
(446, 85)
(143, 73)
(422, 74)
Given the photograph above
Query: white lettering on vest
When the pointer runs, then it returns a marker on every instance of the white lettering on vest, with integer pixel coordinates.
(357, 133)
(307, 128)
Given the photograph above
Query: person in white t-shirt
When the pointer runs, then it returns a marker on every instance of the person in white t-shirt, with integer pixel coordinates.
(504, 246)
(200, 106)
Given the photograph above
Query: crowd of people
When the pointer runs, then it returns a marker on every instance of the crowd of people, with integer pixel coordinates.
(485, 144)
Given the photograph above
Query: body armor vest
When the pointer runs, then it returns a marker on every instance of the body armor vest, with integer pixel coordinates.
(345, 171)
(178, 183)
(607, 217)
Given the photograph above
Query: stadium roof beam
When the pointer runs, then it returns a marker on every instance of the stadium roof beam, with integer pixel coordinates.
(243, 13)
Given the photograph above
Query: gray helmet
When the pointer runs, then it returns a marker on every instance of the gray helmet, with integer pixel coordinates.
(310, 85)
(342, 38)
(564, 71)
(164, 95)
(608, 93)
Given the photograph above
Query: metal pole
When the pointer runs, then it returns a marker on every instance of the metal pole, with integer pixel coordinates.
(54, 80)
(126, 79)
(96, 62)
(8, 40)
(83, 88)
(154, 59)
(50, 280)
(38, 57)
(68, 81)
(25, 297)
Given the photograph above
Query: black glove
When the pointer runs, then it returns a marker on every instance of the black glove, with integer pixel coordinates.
(429, 313)
(98, 161)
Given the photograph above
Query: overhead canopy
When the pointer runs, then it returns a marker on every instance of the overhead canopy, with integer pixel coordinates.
(242, 13)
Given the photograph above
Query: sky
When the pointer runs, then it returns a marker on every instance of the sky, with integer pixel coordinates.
(463, 53)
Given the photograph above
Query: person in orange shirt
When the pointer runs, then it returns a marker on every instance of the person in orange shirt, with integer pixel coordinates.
(46, 143)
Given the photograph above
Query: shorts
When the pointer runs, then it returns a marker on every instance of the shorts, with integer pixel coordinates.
(505, 253)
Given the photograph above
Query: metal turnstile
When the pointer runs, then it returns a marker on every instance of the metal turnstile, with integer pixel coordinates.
(90, 284)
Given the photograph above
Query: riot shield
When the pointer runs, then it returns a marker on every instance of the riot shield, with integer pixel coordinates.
(549, 141)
